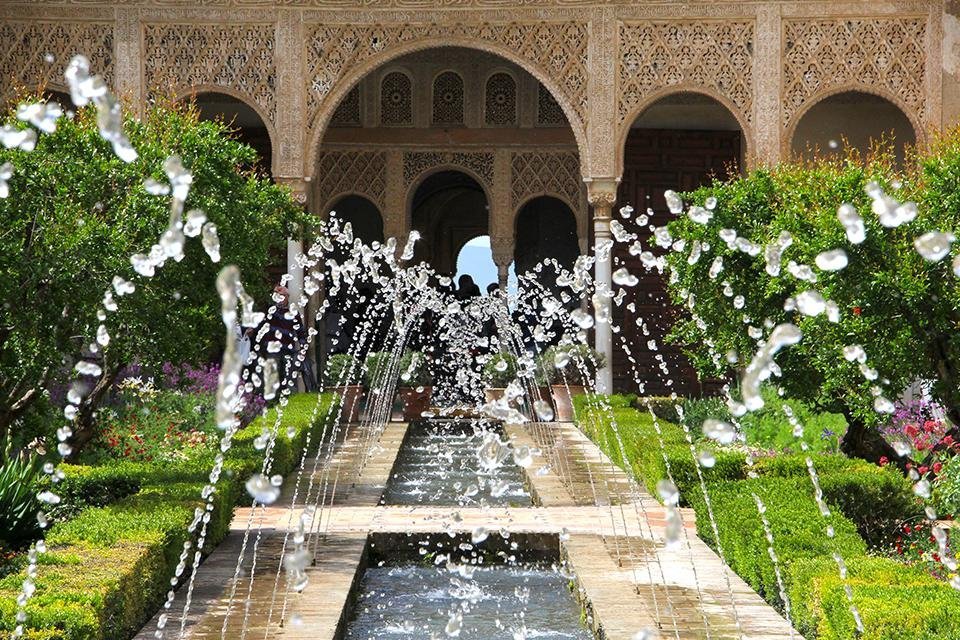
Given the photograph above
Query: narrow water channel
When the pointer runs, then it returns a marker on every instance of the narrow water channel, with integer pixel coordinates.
(512, 594)
(438, 465)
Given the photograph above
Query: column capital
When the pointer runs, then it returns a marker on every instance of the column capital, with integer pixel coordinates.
(502, 250)
(602, 195)
(299, 186)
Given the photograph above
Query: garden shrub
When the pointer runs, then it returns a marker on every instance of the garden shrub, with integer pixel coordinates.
(895, 601)
(108, 568)
(89, 486)
(799, 531)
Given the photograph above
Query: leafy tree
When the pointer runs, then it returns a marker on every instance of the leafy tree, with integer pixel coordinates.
(74, 216)
(902, 308)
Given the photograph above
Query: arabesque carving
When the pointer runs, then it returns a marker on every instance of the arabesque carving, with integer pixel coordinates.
(556, 173)
(35, 52)
(885, 54)
(716, 55)
(238, 57)
(479, 164)
(341, 172)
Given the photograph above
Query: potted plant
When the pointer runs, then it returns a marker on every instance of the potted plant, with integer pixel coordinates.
(499, 371)
(336, 378)
(414, 386)
(569, 369)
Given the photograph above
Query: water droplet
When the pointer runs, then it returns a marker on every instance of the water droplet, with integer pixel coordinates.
(934, 245)
(832, 260)
(262, 489)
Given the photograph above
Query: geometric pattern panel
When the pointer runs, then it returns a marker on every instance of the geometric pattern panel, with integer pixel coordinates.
(25, 45)
(549, 111)
(534, 173)
(500, 100)
(716, 55)
(348, 111)
(358, 172)
(480, 163)
(558, 49)
(875, 52)
(396, 99)
(238, 56)
(448, 99)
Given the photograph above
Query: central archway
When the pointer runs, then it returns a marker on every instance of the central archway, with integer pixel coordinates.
(449, 208)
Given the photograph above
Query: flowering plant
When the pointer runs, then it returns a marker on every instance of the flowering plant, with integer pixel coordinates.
(916, 545)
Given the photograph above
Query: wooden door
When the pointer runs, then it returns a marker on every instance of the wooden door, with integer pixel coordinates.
(656, 160)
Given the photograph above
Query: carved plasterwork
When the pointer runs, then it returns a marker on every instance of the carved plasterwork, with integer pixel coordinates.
(238, 57)
(554, 173)
(479, 164)
(713, 55)
(342, 172)
(555, 50)
(879, 55)
(28, 45)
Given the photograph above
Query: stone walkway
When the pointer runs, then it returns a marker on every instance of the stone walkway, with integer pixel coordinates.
(611, 533)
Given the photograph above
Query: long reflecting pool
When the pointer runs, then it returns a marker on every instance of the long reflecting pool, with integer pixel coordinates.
(499, 588)
(446, 463)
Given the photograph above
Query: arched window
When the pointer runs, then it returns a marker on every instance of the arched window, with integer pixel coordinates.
(500, 100)
(448, 98)
(396, 99)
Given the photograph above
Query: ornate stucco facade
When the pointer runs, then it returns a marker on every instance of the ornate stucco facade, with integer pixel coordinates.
(597, 64)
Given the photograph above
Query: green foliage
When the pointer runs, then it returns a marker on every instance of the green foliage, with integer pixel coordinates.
(581, 368)
(107, 569)
(868, 503)
(94, 486)
(795, 521)
(500, 370)
(896, 602)
(900, 307)
(375, 367)
(341, 369)
(19, 482)
(75, 215)
(946, 489)
(417, 371)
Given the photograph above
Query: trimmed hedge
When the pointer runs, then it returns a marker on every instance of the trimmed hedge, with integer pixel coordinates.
(896, 602)
(108, 568)
(867, 502)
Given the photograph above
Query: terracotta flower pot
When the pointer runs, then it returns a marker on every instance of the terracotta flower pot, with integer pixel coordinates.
(414, 402)
(492, 395)
(563, 400)
(546, 394)
(351, 396)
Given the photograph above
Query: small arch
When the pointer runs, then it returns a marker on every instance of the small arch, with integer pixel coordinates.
(474, 257)
(396, 98)
(728, 117)
(362, 214)
(448, 208)
(447, 98)
(545, 227)
(418, 180)
(500, 99)
(857, 116)
(237, 111)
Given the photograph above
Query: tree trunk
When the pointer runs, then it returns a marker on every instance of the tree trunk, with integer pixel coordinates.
(861, 441)
(84, 429)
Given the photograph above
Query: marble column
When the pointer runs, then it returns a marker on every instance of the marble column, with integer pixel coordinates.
(602, 196)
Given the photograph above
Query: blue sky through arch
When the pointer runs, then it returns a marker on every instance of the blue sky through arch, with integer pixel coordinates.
(476, 260)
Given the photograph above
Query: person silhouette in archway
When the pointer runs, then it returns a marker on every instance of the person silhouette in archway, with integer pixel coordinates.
(467, 288)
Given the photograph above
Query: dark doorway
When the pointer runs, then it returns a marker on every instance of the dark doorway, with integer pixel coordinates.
(656, 160)
(449, 208)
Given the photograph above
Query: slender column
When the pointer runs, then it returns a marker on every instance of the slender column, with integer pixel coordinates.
(502, 249)
(128, 74)
(602, 195)
(395, 215)
(767, 128)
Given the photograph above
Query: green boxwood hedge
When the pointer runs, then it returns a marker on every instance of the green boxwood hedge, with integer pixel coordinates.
(867, 502)
(108, 568)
